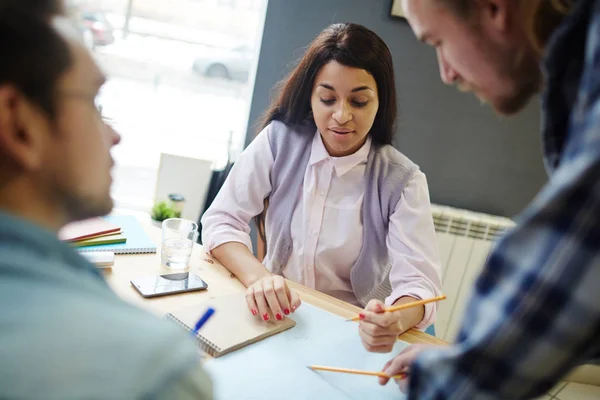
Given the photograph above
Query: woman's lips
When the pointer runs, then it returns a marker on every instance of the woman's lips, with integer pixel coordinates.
(340, 131)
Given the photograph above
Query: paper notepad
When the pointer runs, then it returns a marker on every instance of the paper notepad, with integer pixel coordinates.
(231, 327)
(276, 368)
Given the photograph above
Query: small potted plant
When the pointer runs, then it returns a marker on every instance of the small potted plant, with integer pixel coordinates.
(162, 211)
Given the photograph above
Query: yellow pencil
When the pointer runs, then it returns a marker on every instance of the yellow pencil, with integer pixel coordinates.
(356, 371)
(406, 305)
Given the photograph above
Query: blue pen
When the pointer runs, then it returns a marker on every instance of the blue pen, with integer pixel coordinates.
(203, 320)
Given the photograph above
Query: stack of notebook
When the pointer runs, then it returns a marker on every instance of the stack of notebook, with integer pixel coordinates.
(119, 234)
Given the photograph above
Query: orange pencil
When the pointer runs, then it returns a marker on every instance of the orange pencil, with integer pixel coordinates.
(407, 305)
(355, 371)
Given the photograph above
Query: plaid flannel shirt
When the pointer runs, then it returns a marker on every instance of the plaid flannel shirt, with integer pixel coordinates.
(534, 313)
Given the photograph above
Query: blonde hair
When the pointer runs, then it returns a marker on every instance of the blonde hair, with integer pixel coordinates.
(540, 17)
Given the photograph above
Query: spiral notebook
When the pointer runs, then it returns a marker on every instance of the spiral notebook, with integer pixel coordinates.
(138, 241)
(231, 327)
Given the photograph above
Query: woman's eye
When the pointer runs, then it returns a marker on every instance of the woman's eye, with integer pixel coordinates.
(360, 104)
(328, 102)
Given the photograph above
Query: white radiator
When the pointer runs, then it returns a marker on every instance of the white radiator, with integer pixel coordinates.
(464, 239)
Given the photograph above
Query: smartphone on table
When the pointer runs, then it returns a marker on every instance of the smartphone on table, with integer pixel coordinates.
(162, 285)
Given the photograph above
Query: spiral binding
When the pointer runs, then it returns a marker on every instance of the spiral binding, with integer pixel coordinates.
(136, 250)
(206, 345)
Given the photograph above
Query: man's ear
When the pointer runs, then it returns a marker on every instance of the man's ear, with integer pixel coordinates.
(22, 133)
(496, 13)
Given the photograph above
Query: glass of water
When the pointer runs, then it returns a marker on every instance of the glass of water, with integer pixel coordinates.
(178, 238)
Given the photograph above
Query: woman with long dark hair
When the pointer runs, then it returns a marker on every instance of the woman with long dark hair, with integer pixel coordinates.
(338, 208)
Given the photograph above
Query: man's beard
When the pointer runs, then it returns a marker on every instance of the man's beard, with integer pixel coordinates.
(526, 77)
(79, 207)
(518, 66)
(514, 104)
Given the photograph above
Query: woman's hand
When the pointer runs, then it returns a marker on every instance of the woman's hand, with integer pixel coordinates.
(270, 297)
(379, 329)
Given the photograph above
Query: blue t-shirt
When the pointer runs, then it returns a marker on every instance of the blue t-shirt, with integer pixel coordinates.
(65, 335)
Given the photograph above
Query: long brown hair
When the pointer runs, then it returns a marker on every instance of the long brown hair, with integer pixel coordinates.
(351, 45)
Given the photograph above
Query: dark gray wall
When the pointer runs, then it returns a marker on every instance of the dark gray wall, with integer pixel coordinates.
(473, 159)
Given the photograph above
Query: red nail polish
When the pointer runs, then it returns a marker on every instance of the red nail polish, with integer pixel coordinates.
(278, 316)
(254, 312)
(361, 316)
(266, 317)
(286, 311)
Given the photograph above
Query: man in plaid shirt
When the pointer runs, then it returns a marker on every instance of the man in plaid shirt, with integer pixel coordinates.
(535, 311)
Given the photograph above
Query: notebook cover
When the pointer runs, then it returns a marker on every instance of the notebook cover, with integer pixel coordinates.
(107, 239)
(86, 229)
(138, 241)
(231, 327)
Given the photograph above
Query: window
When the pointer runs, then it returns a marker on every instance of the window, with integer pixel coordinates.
(179, 81)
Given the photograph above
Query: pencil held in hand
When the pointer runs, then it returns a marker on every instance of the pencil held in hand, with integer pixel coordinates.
(356, 372)
(407, 305)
